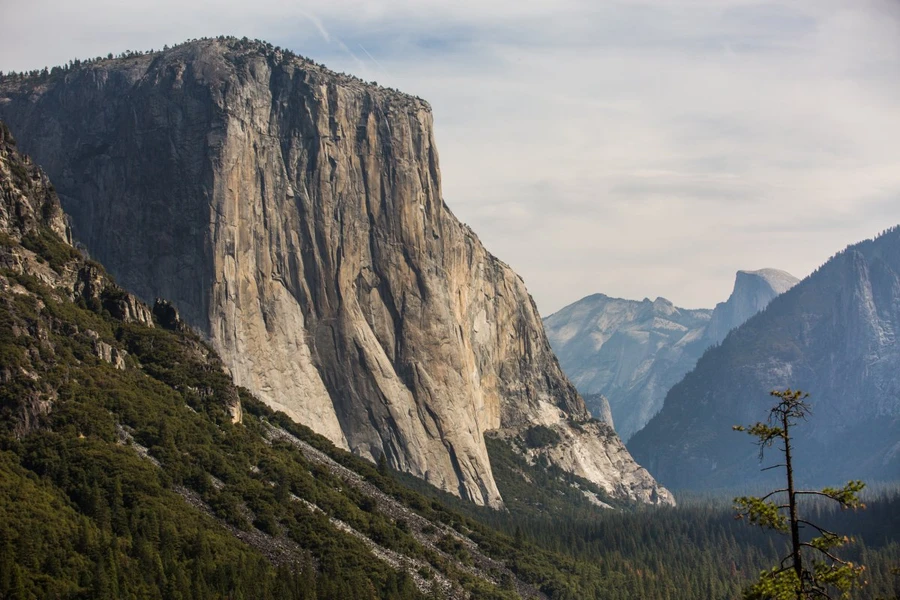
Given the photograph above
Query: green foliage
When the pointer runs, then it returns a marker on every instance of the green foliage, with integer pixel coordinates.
(774, 584)
(454, 547)
(811, 570)
(541, 436)
(762, 513)
(144, 540)
(695, 550)
(847, 496)
(49, 247)
(540, 488)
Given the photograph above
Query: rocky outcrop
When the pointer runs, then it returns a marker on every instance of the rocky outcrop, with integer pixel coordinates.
(593, 451)
(167, 315)
(598, 405)
(107, 352)
(35, 238)
(295, 217)
(28, 202)
(35, 242)
(753, 290)
(92, 285)
(833, 335)
(634, 352)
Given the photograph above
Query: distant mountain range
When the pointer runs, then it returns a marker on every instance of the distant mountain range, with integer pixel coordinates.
(833, 335)
(632, 352)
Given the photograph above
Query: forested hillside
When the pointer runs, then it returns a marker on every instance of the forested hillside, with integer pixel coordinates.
(697, 550)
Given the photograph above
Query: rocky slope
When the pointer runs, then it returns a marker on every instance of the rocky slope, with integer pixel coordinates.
(833, 335)
(295, 217)
(633, 352)
(598, 405)
(36, 246)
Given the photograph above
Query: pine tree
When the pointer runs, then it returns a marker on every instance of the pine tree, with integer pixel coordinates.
(811, 570)
(7, 561)
(17, 585)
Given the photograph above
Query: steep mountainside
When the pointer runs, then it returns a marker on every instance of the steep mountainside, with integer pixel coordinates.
(295, 217)
(132, 466)
(598, 404)
(634, 352)
(834, 335)
(106, 462)
(753, 290)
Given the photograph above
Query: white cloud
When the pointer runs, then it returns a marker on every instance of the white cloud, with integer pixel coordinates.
(631, 148)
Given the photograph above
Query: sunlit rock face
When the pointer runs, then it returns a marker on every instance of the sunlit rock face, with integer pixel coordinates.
(295, 217)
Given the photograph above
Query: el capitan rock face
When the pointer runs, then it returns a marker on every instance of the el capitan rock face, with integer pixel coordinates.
(295, 217)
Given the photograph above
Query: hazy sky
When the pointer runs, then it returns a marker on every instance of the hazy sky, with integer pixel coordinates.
(631, 148)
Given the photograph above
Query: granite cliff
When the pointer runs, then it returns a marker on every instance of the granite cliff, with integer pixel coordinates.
(36, 241)
(753, 290)
(294, 216)
(96, 393)
(832, 335)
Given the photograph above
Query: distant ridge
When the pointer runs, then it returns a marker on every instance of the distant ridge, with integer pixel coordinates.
(835, 335)
(632, 352)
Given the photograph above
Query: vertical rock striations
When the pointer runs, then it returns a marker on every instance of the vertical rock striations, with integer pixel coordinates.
(295, 217)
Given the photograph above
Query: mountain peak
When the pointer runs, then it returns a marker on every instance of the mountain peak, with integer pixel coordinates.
(663, 306)
(780, 281)
(753, 290)
(832, 335)
(632, 352)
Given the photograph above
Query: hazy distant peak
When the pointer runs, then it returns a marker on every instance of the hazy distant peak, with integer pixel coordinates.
(753, 290)
(780, 281)
(633, 351)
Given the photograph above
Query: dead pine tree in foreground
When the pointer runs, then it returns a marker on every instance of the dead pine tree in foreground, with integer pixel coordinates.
(812, 569)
